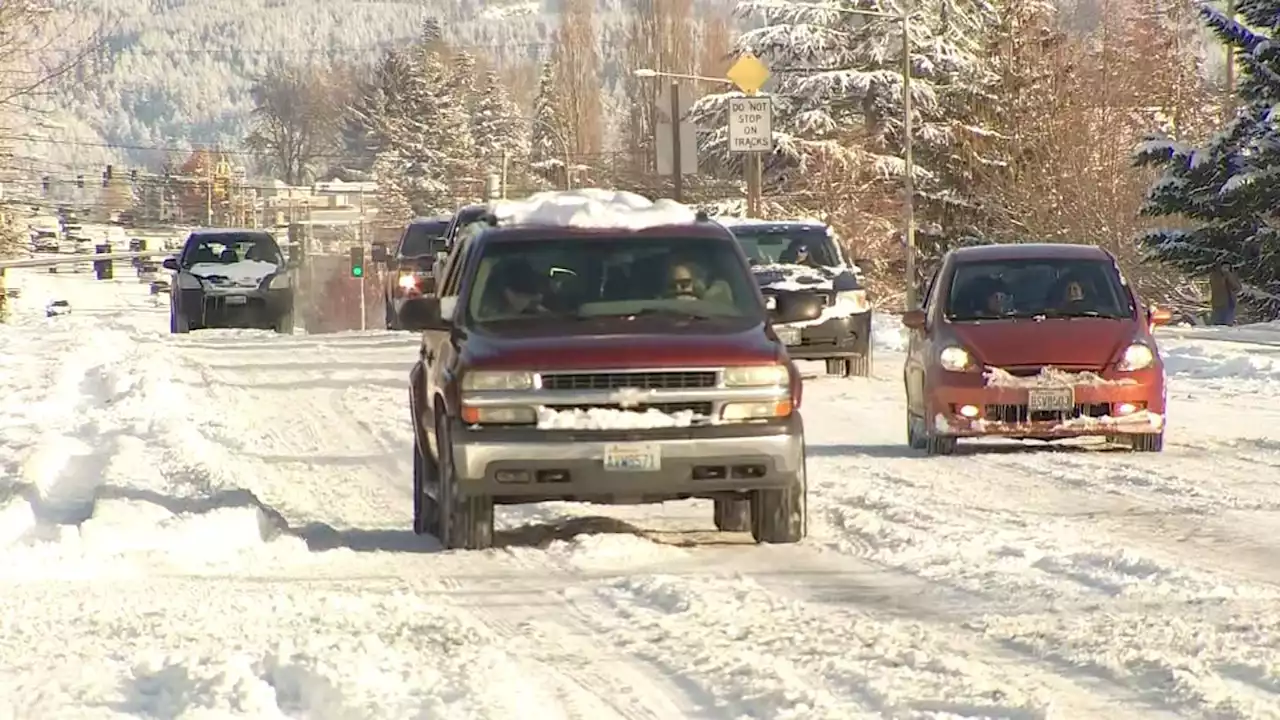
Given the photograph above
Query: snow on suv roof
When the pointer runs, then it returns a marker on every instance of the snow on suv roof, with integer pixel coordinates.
(732, 222)
(593, 208)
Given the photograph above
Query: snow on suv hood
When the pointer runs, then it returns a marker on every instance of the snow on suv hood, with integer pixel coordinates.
(243, 274)
(799, 278)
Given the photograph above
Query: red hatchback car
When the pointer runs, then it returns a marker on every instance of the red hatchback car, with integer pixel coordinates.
(1041, 341)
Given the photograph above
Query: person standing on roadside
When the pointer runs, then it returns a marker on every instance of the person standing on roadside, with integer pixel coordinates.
(1224, 287)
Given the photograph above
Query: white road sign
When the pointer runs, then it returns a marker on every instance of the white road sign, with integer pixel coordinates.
(750, 124)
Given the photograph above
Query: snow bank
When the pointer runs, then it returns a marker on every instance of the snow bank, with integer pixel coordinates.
(593, 208)
(246, 273)
(609, 419)
(888, 332)
(1048, 377)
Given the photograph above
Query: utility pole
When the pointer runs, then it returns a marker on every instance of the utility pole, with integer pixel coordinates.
(908, 162)
(1229, 104)
(363, 321)
(677, 167)
(208, 191)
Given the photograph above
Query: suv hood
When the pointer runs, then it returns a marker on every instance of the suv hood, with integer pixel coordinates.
(1078, 342)
(798, 278)
(654, 346)
(243, 274)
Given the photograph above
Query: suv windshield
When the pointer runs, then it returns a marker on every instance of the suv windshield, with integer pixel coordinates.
(422, 238)
(689, 278)
(1033, 288)
(765, 245)
(228, 248)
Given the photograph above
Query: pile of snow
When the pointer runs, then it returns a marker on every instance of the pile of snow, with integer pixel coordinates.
(593, 208)
(888, 332)
(609, 419)
(1048, 377)
(245, 273)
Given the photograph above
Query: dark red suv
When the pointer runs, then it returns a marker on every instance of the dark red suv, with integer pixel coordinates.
(622, 363)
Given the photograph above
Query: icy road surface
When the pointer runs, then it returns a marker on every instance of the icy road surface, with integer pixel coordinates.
(215, 526)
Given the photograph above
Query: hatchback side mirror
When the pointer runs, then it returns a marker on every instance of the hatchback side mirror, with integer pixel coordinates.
(914, 319)
(170, 263)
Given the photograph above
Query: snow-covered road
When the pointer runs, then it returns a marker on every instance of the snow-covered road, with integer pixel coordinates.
(216, 526)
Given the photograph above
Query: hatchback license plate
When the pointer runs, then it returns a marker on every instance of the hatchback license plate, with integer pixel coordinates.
(1051, 400)
(237, 300)
(789, 336)
(632, 457)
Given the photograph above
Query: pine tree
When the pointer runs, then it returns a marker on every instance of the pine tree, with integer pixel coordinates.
(497, 126)
(1223, 189)
(547, 146)
(839, 75)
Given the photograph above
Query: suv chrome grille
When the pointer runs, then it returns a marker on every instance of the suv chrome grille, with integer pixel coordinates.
(678, 380)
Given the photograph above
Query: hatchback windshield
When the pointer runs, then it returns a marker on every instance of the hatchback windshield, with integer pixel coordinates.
(764, 245)
(423, 238)
(228, 248)
(688, 278)
(1039, 287)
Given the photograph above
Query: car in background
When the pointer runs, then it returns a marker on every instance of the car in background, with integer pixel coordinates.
(56, 308)
(1033, 341)
(622, 364)
(410, 265)
(797, 257)
(465, 216)
(228, 278)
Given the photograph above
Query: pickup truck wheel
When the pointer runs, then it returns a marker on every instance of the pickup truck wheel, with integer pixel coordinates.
(779, 516)
(917, 437)
(859, 366)
(838, 367)
(1153, 442)
(732, 515)
(424, 506)
(465, 523)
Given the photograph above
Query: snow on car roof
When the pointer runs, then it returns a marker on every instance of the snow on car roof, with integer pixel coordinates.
(593, 208)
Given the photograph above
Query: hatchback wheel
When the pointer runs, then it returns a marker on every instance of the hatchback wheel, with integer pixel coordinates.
(917, 437)
(1147, 443)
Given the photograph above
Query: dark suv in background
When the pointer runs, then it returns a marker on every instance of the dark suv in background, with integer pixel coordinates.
(801, 258)
(410, 266)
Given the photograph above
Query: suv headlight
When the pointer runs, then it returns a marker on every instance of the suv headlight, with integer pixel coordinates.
(756, 376)
(279, 282)
(855, 298)
(408, 282)
(1137, 356)
(954, 358)
(498, 380)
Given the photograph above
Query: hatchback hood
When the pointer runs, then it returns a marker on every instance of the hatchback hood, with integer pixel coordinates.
(652, 347)
(1074, 342)
(242, 274)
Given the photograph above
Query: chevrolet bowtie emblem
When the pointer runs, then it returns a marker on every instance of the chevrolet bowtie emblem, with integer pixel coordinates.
(627, 398)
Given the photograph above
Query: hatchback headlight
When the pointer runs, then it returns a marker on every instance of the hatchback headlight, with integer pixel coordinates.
(498, 380)
(756, 376)
(955, 359)
(1137, 356)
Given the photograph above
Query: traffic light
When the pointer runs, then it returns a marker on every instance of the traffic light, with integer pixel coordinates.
(357, 262)
(44, 182)
(80, 181)
(133, 176)
(106, 176)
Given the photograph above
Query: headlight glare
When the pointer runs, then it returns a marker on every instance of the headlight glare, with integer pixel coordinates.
(756, 376)
(955, 359)
(408, 282)
(498, 380)
(1136, 357)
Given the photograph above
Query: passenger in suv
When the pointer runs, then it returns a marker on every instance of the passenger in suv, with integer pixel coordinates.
(560, 363)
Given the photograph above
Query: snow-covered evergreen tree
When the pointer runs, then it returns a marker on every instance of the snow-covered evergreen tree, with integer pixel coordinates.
(839, 86)
(497, 126)
(547, 142)
(1224, 190)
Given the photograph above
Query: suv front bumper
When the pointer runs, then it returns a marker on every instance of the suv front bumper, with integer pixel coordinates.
(525, 464)
(838, 337)
(258, 309)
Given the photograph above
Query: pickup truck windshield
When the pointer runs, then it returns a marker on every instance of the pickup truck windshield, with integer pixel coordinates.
(765, 245)
(1041, 287)
(231, 247)
(422, 238)
(688, 278)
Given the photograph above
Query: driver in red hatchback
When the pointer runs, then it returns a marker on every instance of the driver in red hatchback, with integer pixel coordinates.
(1039, 341)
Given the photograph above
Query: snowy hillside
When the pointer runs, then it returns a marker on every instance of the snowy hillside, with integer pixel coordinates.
(175, 71)
(216, 525)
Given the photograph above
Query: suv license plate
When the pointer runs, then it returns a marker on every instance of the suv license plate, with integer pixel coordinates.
(788, 335)
(237, 300)
(632, 457)
(1055, 400)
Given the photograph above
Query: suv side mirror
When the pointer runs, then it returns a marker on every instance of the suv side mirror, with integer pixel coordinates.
(422, 313)
(1159, 316)
(170, 263)
(914, 319)
(796, 307)
(379, 253)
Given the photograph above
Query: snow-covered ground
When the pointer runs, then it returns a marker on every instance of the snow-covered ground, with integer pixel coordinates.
(216, 526)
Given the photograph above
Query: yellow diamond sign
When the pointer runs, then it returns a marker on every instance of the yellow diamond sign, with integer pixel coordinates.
(749, 74)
